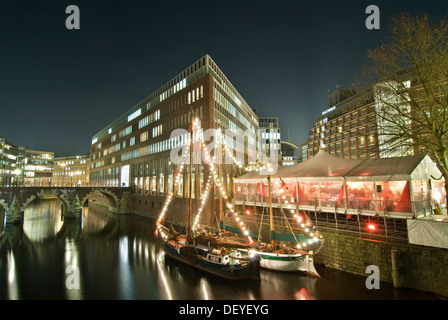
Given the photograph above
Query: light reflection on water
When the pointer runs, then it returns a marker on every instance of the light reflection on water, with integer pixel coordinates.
(102, 256)
(42, 220)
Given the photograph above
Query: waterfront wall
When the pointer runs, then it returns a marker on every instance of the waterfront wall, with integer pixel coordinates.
(411, 266)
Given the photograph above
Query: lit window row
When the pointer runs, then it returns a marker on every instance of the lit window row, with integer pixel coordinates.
(177, 87)
(134, 114)
(76, 173)
(149, 119)
(125, 132)
(157, 131)
(224, 102)
(195, 94)
(270, 135)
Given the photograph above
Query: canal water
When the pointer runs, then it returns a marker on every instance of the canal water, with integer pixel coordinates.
(104, 256)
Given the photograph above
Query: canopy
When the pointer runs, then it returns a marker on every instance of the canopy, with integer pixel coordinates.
(325, 167)
(322, 165)
(387, 169)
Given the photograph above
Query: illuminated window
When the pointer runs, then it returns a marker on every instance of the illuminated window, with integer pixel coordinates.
(144, 136)
(134, 115)
(156, 131)
(125, 132)
(143, 122)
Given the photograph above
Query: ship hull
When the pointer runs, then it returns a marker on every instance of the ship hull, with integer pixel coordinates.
(246, 270)
(286, 262)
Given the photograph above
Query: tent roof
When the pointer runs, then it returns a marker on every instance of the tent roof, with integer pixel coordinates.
(321, 165)
(386, 168)
(324, 165)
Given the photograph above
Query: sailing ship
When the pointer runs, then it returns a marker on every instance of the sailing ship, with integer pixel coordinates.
(284, 252)
(199, 251)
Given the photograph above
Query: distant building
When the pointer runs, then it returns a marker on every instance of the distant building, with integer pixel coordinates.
(10, 175)
(289, 153)
(36, 166)
(270, 136)
(303, 151)
(347, 129)
(71, 171)
(20, 166)
(350, 127)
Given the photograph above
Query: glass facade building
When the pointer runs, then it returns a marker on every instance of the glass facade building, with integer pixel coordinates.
(9, 170)
(134, 150)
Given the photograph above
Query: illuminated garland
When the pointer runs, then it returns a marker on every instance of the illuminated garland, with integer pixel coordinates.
(171, 194)
(256, 166)
(219, 183)
(207, 190)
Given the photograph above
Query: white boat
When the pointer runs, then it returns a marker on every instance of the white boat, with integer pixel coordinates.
(282, 261)
(281, 255)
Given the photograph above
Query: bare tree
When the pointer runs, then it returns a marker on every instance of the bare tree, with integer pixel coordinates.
(408, 76)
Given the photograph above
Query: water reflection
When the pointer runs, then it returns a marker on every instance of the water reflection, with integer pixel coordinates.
(42, 220)
(2, 220)
(104, 256)
(12, 278)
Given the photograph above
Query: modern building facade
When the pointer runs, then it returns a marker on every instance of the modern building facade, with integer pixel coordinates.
(270, 136)
(289, 153)
(20, 166)
(364, 125)
(303, 151)
(71, 171)
(348, 128)
(36, 167)
(9, 170)
(134, 150)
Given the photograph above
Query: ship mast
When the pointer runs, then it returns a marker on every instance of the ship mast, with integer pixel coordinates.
(190, 206)
(221, 213)
(271, 218)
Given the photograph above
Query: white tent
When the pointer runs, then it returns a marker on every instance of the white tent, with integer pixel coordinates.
(400, 186)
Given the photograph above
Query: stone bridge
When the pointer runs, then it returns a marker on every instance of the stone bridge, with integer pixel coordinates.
(14, 200)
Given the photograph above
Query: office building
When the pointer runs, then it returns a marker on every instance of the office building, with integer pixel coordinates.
(9, 172)
(71, 171)
(348, 128)
(289, 153)
(36, 166)
(303, 151)
(134, 150)
(270, 136)
(20, 166)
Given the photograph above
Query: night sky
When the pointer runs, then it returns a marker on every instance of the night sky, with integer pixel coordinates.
(59, 87)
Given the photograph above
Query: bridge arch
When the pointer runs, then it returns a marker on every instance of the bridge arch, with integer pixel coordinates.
(47, 193)
(114, 201)
(4, 204)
